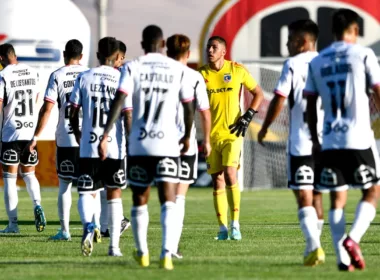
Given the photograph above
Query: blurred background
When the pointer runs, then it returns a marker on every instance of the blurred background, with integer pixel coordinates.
(255, 31)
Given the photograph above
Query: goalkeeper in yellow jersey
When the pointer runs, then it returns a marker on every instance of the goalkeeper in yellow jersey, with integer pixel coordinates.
(224, 80)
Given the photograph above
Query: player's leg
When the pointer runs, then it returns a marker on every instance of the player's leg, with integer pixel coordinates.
(88, 187)
(97, 213)
(301, 181)
(9, 160)
(318, 205)
(365, 175)
(115, 180)
(333, 178)
(67, 169)
(140, 176)
(231, 158)
(187, 176)
(104, 214)
(215, 168)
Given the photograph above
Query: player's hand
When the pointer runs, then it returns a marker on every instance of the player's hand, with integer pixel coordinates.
(206, 148)
(261, 135)
(30, 146)
(185, 142)
(78, 136)
(102, 148)
(241, 125)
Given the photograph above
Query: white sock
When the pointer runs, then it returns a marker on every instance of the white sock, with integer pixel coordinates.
(140, 222)
(168, 224)
(33, 187)
(365, 213)
(86, 208)
(104, 211)
(10, 196)
(180, 202)
(320, 227)
(337, 226)
(97, 209)
(64, 203)
(308, 221)
(115, 213)
(235, 224)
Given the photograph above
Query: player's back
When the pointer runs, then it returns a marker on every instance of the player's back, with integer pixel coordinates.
(291, 84)
(340, 74)
(60, 86)
(157, 82)
(20, 82)
(94, 90)
(201, 102)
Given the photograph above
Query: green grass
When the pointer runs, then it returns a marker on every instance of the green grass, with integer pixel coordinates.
(271, 248)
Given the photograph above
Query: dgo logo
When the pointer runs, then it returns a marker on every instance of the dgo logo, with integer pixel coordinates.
(258, 29)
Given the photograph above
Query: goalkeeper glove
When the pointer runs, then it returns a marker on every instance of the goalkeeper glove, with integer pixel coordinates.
(240, 127)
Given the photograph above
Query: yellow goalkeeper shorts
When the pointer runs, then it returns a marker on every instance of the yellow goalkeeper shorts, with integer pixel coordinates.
(224, 153)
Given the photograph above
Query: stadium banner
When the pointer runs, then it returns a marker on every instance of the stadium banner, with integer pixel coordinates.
(256, 35)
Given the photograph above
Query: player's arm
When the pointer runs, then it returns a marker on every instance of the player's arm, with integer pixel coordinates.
(372, 69)
(76, 103)
(203, 107)
(188, 116)
(311, 93)
(281, 92)
(241, 125)
(2, 92)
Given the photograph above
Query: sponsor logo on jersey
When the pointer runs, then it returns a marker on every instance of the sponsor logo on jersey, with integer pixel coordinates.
(218, 90)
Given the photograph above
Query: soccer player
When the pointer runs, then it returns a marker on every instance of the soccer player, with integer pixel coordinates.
(18, 96)
(303, 35)
(178, 48)
(340, 75)
(157, 84)
(59, 88)
(93, 91)
(125, 223)
(224, 80)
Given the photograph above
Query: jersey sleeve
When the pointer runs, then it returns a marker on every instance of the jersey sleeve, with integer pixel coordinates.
(248, 81)
(51, 93)
(127, 106)
(126, 84)
(310, 87)
(186, 93)
(201, 97)
(2, 88)
(284, 83)
(76, 95)
(372, 68)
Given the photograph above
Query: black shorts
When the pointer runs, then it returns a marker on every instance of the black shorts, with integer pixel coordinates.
(94, 174)
(342, 169)
(300, 172)
(142, 170)
(67, 162)
(12, 153)
(188, 171)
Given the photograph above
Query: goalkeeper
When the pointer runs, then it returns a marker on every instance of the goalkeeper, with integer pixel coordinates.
(224, 80)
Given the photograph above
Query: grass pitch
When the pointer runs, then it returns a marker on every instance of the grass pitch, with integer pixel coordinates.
(271, 248)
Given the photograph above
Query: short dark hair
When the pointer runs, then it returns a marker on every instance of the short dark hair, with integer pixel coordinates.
(7, 49)
(107, 46)
(219, 39)
(177, 45)
(73, 48)
(342, 19)
(305, 26)
(122, 47)
(152, 34)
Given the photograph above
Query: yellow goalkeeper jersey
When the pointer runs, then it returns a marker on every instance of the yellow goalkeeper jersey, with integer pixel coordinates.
(223, 90)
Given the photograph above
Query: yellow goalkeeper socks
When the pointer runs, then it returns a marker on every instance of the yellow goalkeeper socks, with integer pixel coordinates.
(233, 196)
(221, 208)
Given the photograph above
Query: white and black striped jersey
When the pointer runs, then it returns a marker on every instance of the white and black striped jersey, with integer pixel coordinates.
(341, 74)
(19, 92)
(157, 83)
(58, 90)
(196, 81)
(94, 91)
(291, 84)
